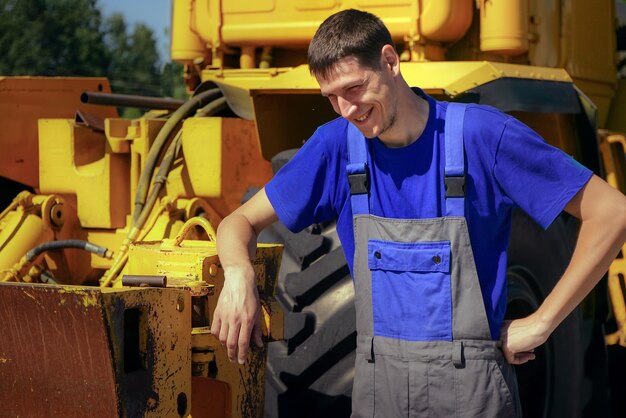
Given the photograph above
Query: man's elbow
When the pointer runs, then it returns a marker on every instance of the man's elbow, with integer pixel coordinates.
(616, 215)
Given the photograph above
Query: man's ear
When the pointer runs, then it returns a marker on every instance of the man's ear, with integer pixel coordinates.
(390, 59)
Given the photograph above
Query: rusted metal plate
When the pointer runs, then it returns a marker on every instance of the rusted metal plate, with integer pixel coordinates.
(151, 336)
(54, 353)
(72, 351)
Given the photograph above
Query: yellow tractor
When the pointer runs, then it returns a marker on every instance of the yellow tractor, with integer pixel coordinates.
(108, 270)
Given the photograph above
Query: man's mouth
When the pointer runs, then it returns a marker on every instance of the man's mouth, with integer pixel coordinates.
(364, 117)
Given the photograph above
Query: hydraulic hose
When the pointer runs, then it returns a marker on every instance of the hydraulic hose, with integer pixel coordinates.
(68, 243)
(181, 113)
(160, 179)
(212, 108)
(15, 272)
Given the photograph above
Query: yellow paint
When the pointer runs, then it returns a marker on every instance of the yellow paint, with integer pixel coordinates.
(193, 222)
(70, 162)
(504, 26)
(21, 230)
(234, 23)
(202, 145)
(613, 149)
(186, 44)
(90, 299)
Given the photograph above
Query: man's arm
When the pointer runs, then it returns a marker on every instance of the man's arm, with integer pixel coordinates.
(237, 313)
(602, 211)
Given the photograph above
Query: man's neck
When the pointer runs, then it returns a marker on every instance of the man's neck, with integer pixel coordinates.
(411, 118)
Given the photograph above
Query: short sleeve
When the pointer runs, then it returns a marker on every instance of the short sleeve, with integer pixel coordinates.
(537, 177)
(298, 192)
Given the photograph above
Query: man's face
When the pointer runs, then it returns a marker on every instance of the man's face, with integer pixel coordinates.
(363, 96)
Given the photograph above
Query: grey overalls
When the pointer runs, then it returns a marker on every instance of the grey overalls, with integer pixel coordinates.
(424, 348)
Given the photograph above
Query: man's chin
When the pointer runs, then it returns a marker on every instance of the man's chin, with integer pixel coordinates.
(368, 132)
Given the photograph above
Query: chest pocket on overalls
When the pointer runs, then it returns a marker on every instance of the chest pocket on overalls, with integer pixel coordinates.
(411, 290)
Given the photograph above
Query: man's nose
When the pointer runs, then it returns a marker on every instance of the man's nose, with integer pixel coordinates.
(346, 108)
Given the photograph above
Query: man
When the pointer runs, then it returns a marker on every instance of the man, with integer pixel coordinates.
(424, 229)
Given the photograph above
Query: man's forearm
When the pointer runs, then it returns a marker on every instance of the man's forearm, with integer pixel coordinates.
(236, 242)
(599, 241)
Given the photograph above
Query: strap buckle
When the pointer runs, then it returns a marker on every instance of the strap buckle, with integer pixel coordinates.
(359, 180)
(455, 186)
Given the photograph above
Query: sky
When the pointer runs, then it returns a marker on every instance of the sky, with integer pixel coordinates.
(156, 14)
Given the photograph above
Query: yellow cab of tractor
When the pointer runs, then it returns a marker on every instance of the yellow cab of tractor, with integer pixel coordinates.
(108, 269)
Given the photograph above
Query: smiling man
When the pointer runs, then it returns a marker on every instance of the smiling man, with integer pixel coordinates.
(422, 192)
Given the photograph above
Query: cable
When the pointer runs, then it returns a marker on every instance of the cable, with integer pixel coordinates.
(68, 243)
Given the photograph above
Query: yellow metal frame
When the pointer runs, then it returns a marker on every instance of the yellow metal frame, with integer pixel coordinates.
(277, 98)
(613, 147)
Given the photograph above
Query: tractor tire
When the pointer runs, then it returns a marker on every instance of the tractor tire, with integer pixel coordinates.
(559, 382)
(309, 374)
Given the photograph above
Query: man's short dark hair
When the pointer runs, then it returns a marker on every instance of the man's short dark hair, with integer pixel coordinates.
(348, 33)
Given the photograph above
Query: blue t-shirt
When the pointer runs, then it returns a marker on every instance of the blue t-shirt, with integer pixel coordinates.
(508, 165)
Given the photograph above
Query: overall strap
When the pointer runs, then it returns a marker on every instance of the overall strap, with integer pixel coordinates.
(454, 171)
(358, 172)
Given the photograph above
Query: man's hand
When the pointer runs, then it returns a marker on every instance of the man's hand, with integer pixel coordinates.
(520, 337)
(237, 313)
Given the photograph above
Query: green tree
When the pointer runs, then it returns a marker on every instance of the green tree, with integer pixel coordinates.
(70, 38)
(52, 37)
(172, 81)
(134, 66)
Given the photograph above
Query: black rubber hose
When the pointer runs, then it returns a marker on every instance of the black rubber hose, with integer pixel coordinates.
(67, 243)
(185, 110)
(130, 100)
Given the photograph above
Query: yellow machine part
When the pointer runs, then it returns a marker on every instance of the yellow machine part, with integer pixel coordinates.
(239, 23)
(588, 43)
(97, 172)
(29, 221)
(613, 147)
(504, 26)
(220, 388)
(71, 163)
(575, 35)
(222, 159)
(24, 100)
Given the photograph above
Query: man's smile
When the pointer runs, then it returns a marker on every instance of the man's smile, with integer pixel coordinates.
(364, 117)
